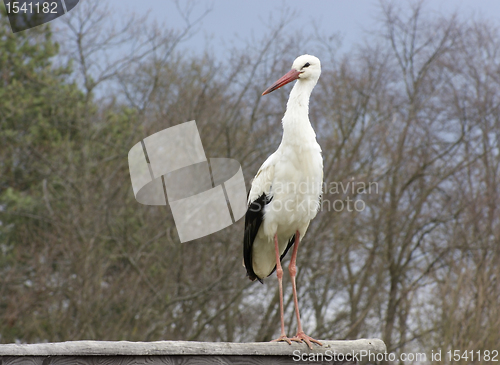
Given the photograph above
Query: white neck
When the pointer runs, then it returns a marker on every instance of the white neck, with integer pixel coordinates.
(296, 125)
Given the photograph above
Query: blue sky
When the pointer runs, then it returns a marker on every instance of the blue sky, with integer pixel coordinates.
(231, 20)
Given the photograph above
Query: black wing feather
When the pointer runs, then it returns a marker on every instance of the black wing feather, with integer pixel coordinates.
(253, 219)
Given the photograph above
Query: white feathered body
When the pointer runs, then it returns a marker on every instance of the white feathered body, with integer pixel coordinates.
(292, 176)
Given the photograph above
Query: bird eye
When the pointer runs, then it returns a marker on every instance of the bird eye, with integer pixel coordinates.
(306, 65)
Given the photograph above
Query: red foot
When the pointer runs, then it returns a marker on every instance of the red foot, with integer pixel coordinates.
(283, 338)
(302, 337)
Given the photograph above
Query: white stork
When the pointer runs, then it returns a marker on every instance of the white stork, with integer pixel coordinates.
(285, 194)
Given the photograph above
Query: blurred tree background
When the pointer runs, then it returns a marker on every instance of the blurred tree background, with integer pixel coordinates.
(415, 111)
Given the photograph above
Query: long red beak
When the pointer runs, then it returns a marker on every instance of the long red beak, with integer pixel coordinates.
(285, 79)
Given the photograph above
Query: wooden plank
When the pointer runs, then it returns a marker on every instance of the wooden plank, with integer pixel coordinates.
(162, 360)
(125, 348)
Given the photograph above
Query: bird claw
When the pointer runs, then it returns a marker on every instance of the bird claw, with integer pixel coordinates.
(283, 338)
(302, 337)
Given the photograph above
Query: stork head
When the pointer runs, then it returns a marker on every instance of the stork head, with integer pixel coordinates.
(305, 67)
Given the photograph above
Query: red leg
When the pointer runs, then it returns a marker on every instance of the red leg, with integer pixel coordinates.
(292, 268)
(279, 274)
